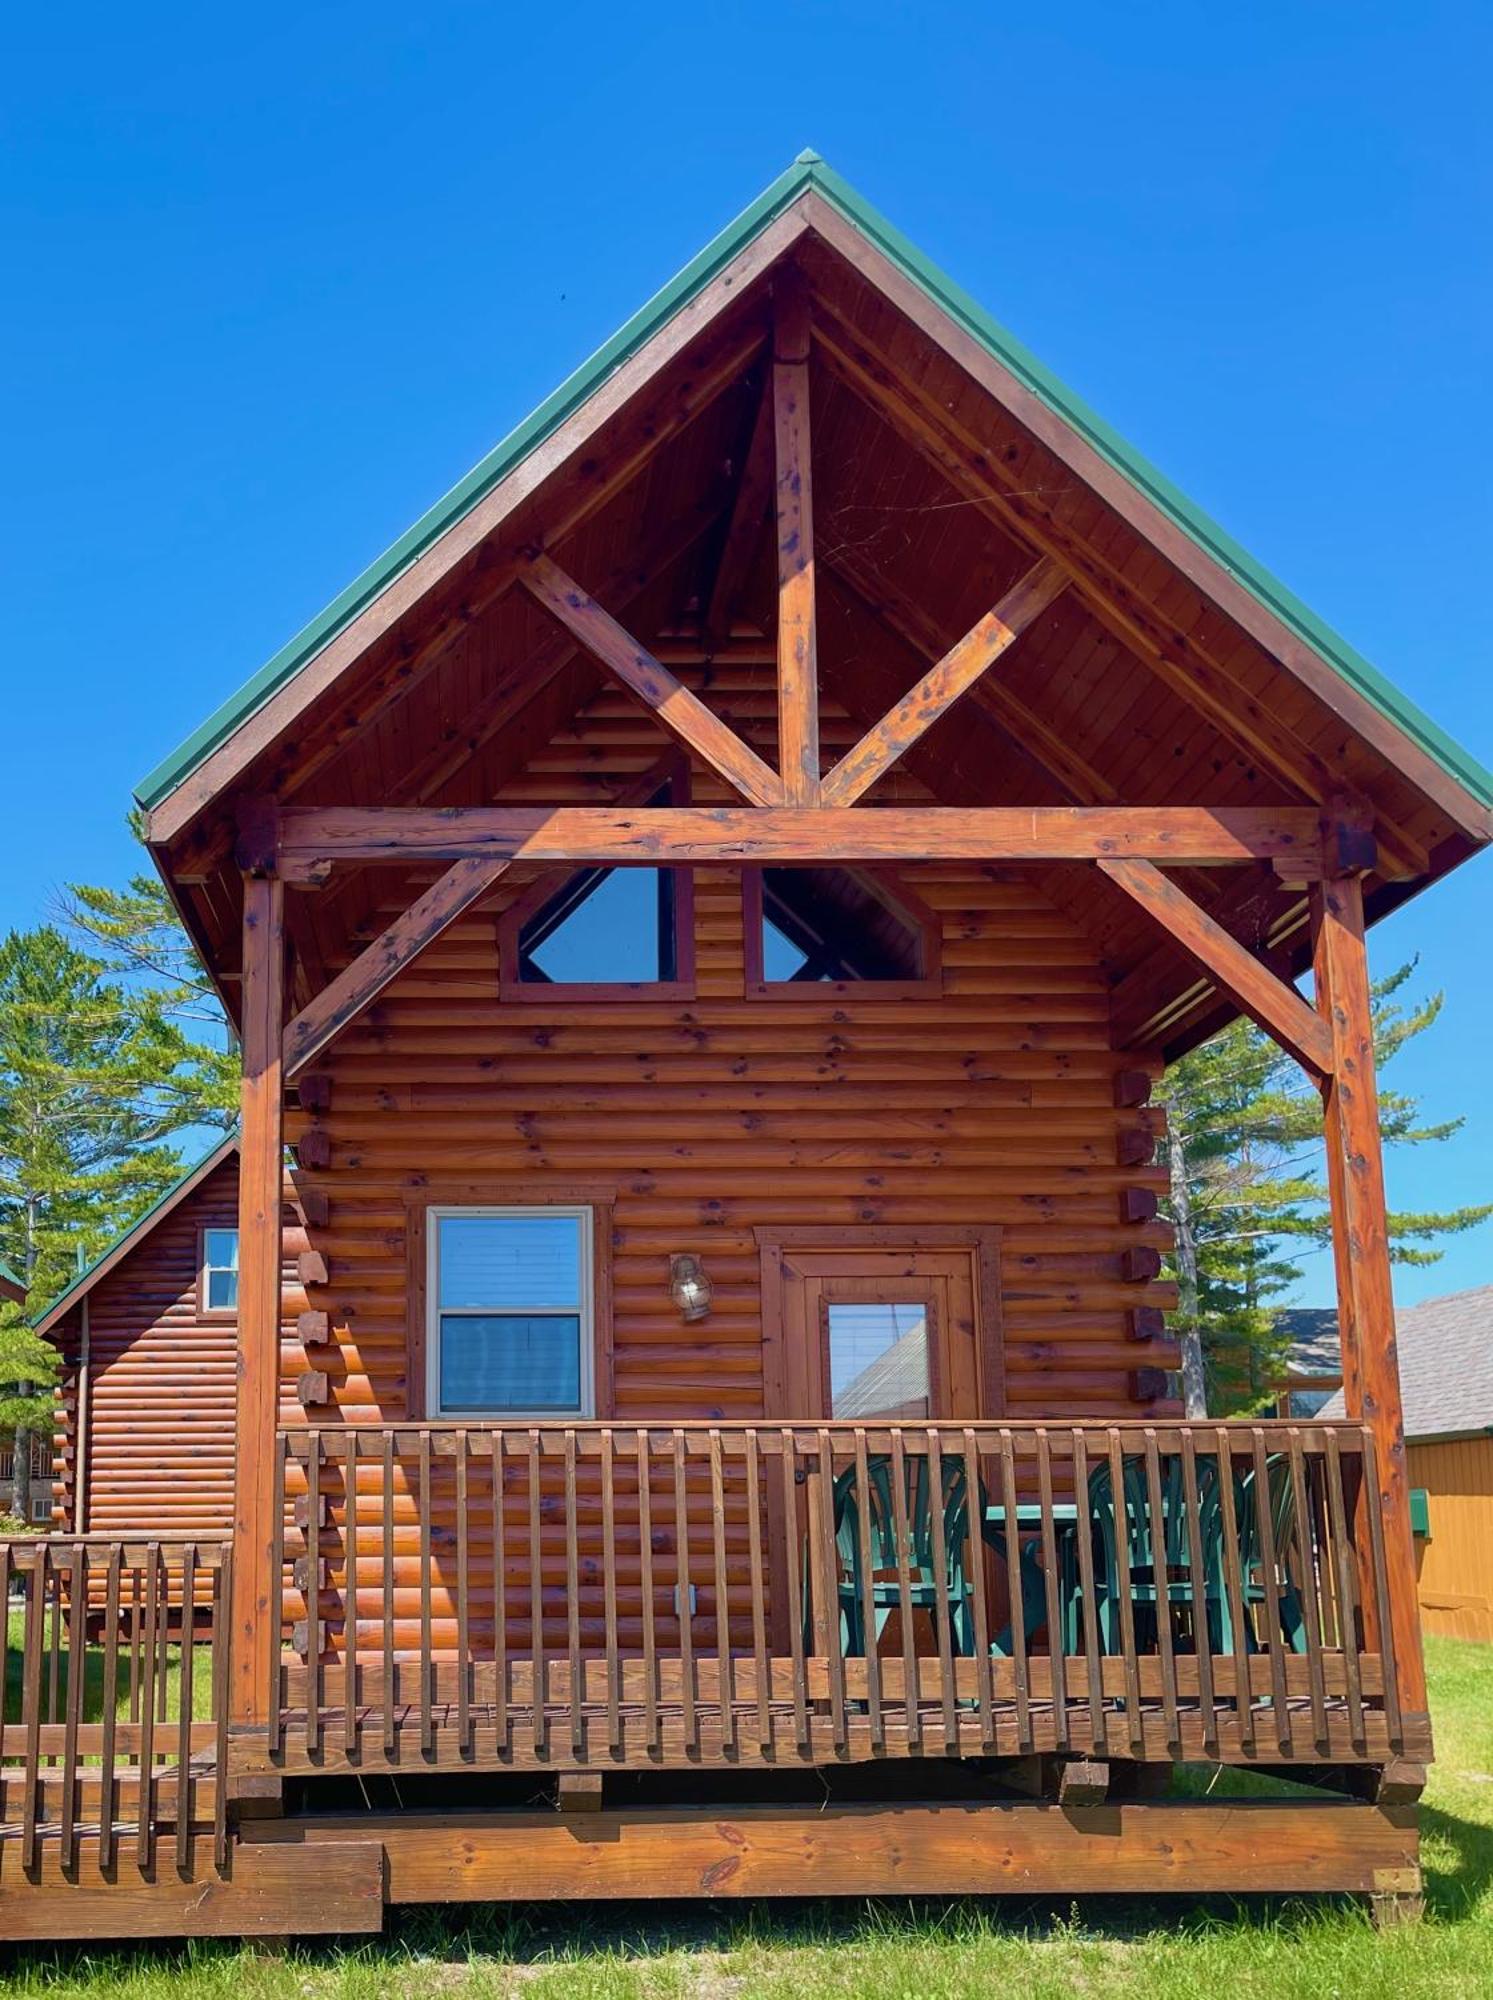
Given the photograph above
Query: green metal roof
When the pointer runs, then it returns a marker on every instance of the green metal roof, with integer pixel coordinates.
(810, 172)
(141, 1226)
(11, 1277)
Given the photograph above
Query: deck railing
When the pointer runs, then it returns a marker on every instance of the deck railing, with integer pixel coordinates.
(114, 1720)
(600, 1594)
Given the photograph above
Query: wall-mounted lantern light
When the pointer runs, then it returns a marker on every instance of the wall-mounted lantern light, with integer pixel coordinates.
(690, 1287)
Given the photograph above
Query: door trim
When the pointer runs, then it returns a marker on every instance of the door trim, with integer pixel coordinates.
(784, 1250)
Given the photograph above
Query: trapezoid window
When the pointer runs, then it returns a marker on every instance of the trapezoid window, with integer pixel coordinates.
(836, 927)
(618, 931)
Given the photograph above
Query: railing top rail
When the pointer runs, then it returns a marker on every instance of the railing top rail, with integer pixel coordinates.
(208, 1552)
(331, 1442)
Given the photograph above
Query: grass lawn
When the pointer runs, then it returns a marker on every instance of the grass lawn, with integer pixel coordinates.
(795, 1951)
(92, 1709)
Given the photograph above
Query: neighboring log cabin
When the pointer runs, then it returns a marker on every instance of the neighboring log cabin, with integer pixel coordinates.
(146, 1337)
(706, 914)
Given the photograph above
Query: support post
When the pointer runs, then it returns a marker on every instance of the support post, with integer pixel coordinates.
(1360, 1243)
(798, 653)
(261, 1171)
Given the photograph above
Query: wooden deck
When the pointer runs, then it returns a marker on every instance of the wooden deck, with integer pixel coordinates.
(574, 1655)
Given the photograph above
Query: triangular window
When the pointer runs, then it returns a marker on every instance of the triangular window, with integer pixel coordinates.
(835, 927)
(607, 931)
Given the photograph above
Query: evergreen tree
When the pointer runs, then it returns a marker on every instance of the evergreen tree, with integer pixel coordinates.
(1248, 1194)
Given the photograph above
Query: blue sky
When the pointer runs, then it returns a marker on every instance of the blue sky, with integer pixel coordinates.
(276, 277)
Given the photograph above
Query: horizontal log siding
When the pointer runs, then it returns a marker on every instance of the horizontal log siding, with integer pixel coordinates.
(160, 1427)
(992, 1104)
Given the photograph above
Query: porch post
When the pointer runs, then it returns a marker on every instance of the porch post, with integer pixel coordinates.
(1360, 1242)
(261, 1184)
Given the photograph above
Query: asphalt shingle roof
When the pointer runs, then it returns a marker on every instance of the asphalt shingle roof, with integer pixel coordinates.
(1446, 1364)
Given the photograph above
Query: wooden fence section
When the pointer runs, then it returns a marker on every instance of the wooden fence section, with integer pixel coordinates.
(114, 1722)
(760, 1594)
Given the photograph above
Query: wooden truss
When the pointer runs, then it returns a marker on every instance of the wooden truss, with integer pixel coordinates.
(797, 812)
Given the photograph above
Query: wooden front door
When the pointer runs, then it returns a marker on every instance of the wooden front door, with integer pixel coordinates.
(867, 1330)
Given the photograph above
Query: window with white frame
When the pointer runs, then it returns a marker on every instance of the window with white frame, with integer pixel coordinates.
(41, 1508)
(510, 1327)
(220, 1270)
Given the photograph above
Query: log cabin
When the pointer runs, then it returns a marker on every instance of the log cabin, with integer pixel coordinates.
(146, 1337)
(706, 914)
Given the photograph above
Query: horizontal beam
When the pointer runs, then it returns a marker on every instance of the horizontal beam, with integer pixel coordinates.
(313, 840)
(1269, 1002)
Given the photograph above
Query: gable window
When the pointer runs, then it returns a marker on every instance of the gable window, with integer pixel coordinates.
(836, 928)
(605, 932)
(219, 1270)
(511, 1312)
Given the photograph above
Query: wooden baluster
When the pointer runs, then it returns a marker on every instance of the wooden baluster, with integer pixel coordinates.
(163, 1645)
(1311, 1598)
(682, 1596)
(1055, 1642)
(650, 1635)
(1201, 1627)
(943, 1613)
(609, 1592)
(761, 1662)
(828, 1592)
(54, 1646)
(902, 1530)
(145, 1830)
(77, 1648)
(1393, 1720)
(109, 1707)
(1342, 1538)
(1234, 1586)
(351, 1732)
(222, 1596)
(313, 1594)
(32, 1654)
(539, 1687)
(427, 1641)
(463, 1604)
(726, 1687)
(185, 1702)
(1016, 1595)
(136, 1645)
(974, 1487)
(868, 1589)
(1275, 1634)
(793, 1583)
(275, 1721)
(573, 1602)
(1162, 1582)
(386, 1475)
(1089, 1596)
(499, 1598)
(1130, 1652)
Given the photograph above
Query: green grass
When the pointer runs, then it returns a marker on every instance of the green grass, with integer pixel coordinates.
(93, 1676)
(1172, 1949)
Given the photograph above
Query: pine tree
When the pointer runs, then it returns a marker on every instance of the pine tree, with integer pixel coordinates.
(1248, 1195)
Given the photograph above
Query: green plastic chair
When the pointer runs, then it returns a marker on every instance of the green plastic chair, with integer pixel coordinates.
(1281, 1505)
(885, 1593)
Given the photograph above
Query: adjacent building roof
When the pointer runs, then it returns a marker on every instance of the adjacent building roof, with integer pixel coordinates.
(1312, 1331)
(12, 1286)
(810, 175)
(107, 1258)
(1446, 1365)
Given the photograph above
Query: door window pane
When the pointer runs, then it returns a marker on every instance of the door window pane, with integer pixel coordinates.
(878, 1361)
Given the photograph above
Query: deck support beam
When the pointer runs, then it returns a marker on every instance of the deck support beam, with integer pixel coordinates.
(261, 1193)
(1360, 1243)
